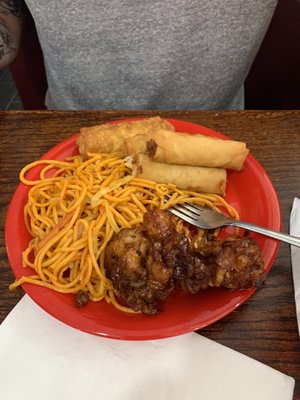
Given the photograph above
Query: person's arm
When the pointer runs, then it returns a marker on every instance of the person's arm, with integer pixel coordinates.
(10, 30)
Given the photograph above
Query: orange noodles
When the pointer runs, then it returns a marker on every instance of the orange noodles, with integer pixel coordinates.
(73, 213)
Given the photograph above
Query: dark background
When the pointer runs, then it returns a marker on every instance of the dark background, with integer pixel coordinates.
(273, 81)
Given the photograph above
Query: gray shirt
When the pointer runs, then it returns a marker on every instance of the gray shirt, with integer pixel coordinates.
(149, 54)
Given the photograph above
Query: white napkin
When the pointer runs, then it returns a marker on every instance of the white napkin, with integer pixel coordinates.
(295, 253)
(41, 358)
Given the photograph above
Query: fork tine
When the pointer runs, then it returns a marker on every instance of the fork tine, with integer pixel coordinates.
(194, 208)
(180, 214)
(188, 208)
(187, 211)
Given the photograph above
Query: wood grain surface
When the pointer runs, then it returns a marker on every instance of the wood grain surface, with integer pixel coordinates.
(265, 327)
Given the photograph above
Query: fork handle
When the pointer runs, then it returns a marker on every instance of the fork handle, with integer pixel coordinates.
(293, 240)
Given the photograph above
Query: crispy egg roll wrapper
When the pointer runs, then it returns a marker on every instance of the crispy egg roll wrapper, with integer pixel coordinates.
(109, 138)
(200, 179)
(136, 144)
(198, 150)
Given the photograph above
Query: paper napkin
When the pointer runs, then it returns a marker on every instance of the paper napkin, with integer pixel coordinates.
(41, 358)
(295, 254)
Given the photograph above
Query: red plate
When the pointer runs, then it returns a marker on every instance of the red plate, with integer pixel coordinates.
(249, 191)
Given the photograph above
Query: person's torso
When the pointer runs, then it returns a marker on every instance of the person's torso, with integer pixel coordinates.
(167, 54)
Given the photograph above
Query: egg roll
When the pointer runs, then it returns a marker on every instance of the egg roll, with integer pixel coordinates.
(200, 179)
(198, 150)
(186, 149)
(136, 144)
(109, 138)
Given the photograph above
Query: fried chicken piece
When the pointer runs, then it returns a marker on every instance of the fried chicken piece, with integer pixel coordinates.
(145, 264)
(198, 267)
(158, 225)
(239, 264)
(233, 262)
(195, 275)
(135, 267)
(160, 229)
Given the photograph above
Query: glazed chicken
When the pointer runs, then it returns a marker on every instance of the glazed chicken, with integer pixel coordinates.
(146, 264)
(135, 263)
(233, 263)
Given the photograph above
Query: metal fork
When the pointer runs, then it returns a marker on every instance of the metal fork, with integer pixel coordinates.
(206, 218)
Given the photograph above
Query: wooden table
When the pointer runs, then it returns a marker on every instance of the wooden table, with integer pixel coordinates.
(263, 328)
